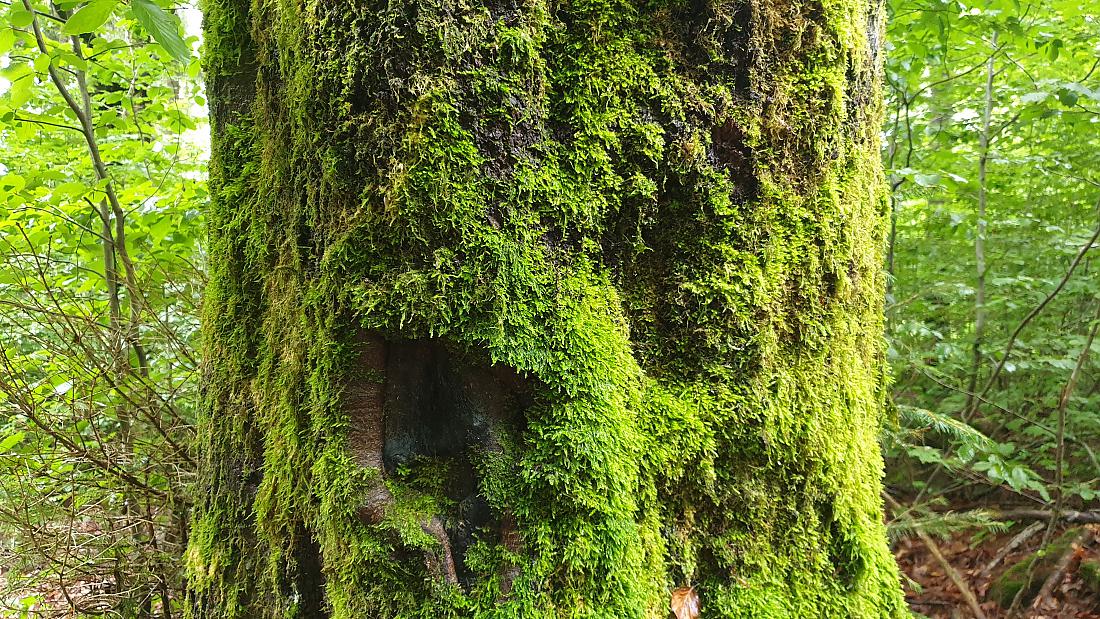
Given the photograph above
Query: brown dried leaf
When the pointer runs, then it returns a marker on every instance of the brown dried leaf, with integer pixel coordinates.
(685, 603)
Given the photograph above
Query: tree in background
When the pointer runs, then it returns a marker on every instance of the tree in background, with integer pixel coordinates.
(100, 273)
(991, 146)
(540, 310)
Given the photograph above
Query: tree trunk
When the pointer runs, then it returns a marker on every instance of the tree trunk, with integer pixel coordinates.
(543, 309)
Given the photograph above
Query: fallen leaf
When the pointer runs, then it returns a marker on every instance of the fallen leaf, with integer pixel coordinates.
(685, 603)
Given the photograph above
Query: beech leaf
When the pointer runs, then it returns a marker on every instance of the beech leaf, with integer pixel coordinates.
(685, 603)
(90, 17)
(164, 26)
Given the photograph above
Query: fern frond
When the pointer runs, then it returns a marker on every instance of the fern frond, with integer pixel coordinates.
(942, 525)
(916, 418)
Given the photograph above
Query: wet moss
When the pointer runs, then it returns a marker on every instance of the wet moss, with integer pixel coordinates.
(1089, 571)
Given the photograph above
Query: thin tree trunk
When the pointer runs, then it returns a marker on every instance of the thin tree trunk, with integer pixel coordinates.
(972, 404)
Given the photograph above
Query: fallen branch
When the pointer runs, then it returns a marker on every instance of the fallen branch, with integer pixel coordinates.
(952, 573)
(1028, 514)
(1013, 544)
(1065, 515)
(1072, 554)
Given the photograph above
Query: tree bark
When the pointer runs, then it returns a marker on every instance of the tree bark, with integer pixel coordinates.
(543, 309)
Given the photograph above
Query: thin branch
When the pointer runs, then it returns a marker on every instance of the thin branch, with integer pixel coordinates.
(1039, 308)
(1067, 515)
(952, 573)
(46, 123)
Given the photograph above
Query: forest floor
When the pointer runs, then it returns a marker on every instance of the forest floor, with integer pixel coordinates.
(930, 591)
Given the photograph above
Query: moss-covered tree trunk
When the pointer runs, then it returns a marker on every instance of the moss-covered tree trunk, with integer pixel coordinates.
(543, 308)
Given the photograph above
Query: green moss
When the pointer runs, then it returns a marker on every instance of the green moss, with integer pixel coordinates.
(1089, 572)
(1031, 572)
(667, 216)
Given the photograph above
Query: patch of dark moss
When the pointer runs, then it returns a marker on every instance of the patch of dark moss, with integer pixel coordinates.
(1029, 574)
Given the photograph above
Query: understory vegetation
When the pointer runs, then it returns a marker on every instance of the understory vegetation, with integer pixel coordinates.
(991, 148)
(990, 142)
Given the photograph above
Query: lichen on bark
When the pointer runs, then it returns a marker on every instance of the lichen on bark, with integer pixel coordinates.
(654, 228)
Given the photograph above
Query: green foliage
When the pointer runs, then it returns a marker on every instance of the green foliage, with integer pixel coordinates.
(919, 420)
(1042, 193)
(89, 17)
(1090, 574)
(944, 524)
(162, 25)
(100, 213)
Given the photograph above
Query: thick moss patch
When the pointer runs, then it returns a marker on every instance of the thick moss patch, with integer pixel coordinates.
(665, 216)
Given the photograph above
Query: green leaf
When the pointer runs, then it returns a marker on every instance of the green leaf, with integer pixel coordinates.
(926, 180)
(90, 17)
(926, 454)
(1054, 49)
(1017, 477)
(7, 39)
(20, 17)
(1034, 97)
(42, 63)
(72, 60)
(20, 91)
(165, 27)
(11, 441)
(71, 189)
(1067, 97)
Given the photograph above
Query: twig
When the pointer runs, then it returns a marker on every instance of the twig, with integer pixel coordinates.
(1012, 544)
(1070, 516)
(952, 573)
(1064, 563)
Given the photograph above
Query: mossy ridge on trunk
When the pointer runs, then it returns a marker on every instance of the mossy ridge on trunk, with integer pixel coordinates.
(665, 218)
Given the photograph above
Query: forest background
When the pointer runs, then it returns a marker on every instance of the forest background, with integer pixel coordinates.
(990, 142)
